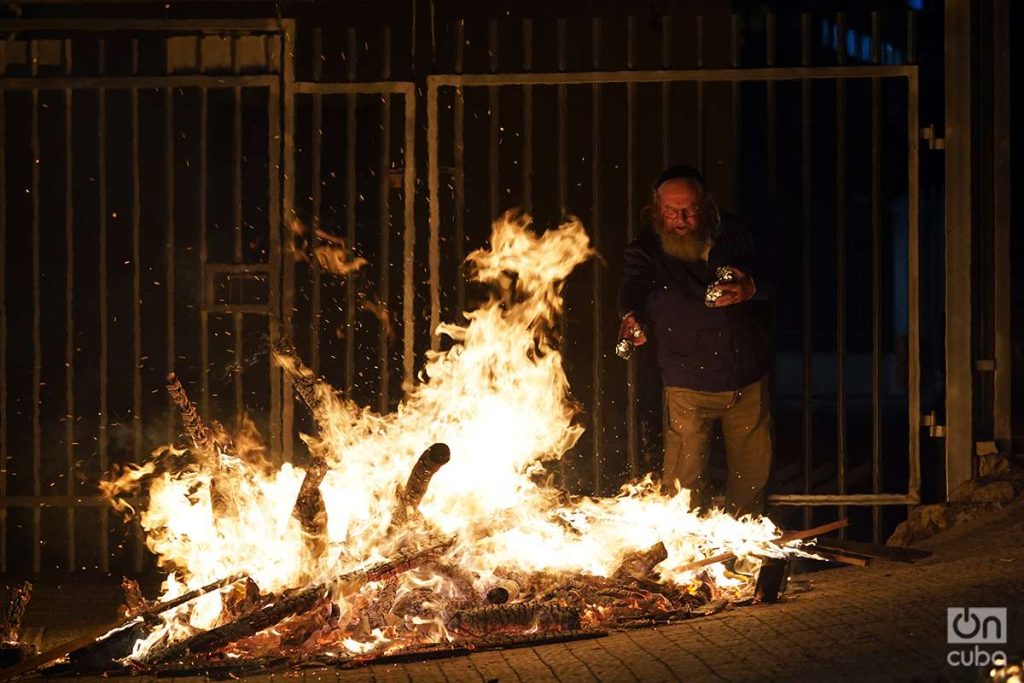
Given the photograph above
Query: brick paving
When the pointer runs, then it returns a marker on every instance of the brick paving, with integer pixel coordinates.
(883, 622)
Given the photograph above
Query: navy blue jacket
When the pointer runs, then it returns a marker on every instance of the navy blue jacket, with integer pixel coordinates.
(700, 348)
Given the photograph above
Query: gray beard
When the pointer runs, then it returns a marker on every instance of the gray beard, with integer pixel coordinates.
(690, 247)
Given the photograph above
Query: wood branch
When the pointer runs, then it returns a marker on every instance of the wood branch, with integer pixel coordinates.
(308, 387)
(93, 635)
(784, 538)
(303, 600)
(494, 619)
(248, 625)
(309, 506)
(641, 563)
(15, 601)
(405, 559)
(201, 436)
(410, 496)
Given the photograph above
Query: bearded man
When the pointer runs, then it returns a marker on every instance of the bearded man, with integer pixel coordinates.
(714, 353)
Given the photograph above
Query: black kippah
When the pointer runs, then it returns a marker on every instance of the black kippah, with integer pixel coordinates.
(679, 171)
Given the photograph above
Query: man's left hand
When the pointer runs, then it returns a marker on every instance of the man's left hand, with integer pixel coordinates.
(741, 289)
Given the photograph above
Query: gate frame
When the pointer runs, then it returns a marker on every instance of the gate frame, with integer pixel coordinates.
(67, 30)
(734, 76)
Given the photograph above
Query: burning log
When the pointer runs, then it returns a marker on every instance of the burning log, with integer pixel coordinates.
(409, 497)
(406, 559)
(785, 538)
(248, 625)
(506, 590)
(15, 601)
(301, 601)
(92, 636)
(308, 387)
(202, 437)
(483, 621)
(642, 562)
(134, 602)
(309, 506)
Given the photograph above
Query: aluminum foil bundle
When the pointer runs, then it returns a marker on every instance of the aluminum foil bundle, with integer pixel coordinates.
(723, 275)
(624, 347)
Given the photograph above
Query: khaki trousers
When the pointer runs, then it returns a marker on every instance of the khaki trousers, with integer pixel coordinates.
(746, 420)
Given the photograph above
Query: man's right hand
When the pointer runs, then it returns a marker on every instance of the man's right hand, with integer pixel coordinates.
(629, 328)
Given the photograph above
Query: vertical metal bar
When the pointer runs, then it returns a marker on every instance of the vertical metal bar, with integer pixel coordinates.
(37, 342)
(69, 316)
(841, 444)
(666, 92)
(384, 211)
(494, 118)
(284, 262)
(237, 218)
(408, 217)
(563, 182)
(204, 250)
(959, 229)
(104, 369)
(771, 124)
(632, 409)
(315, 196)
(699, 130)
(1002, 387)
(913, 282)
(170, 240)
(807, 199)
(876, 278)
(350, 216)
(138, 540)
(527, 118)
(737, 128)
(597, 278)
(3, 328)
(460, 171)
(434, 245)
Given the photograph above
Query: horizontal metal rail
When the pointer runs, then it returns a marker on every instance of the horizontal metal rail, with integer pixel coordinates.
(210, 26)
(662, 76)
(138, 82)
(850, 499)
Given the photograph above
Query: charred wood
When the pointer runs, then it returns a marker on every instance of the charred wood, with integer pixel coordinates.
(15, 602)
(506, 590)
(409, 496)
(201, 436)
(248, 625)
(483, 621)
(642, 562)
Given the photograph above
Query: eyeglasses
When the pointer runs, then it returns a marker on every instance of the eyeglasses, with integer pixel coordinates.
(686, 212)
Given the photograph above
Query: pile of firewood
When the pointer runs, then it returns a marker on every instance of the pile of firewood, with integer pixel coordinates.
(305, 625)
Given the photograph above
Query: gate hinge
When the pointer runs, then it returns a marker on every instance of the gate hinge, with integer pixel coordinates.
(935, 430)
(928, 135)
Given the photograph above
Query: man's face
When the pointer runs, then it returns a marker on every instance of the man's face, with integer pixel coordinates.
(679, 202)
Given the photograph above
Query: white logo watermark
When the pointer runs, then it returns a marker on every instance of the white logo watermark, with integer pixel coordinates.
(976, 626)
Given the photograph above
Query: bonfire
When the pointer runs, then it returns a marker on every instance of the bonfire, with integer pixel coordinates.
(435, 526)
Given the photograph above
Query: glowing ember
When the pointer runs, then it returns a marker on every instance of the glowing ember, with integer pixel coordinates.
(486, 525)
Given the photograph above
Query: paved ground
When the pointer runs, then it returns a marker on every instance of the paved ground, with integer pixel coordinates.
(886, 621)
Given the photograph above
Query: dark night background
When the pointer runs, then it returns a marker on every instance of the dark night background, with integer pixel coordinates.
(224, 178)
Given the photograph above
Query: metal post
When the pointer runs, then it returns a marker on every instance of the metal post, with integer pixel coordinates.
(315, 195)
(597, 279)
(959, 228)
(632, 409)
(876, 277)
(69, 316)
(808, 258)
(841, 269)
(350, 216)
(1003, 425)
(384, 227)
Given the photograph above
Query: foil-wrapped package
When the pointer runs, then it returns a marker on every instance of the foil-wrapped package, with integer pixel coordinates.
(625, 346)
(723, 275)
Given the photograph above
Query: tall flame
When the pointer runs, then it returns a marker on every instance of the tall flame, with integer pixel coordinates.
(499, 398)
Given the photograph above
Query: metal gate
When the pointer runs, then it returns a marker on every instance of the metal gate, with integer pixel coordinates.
(91, 314)
(609, 159)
